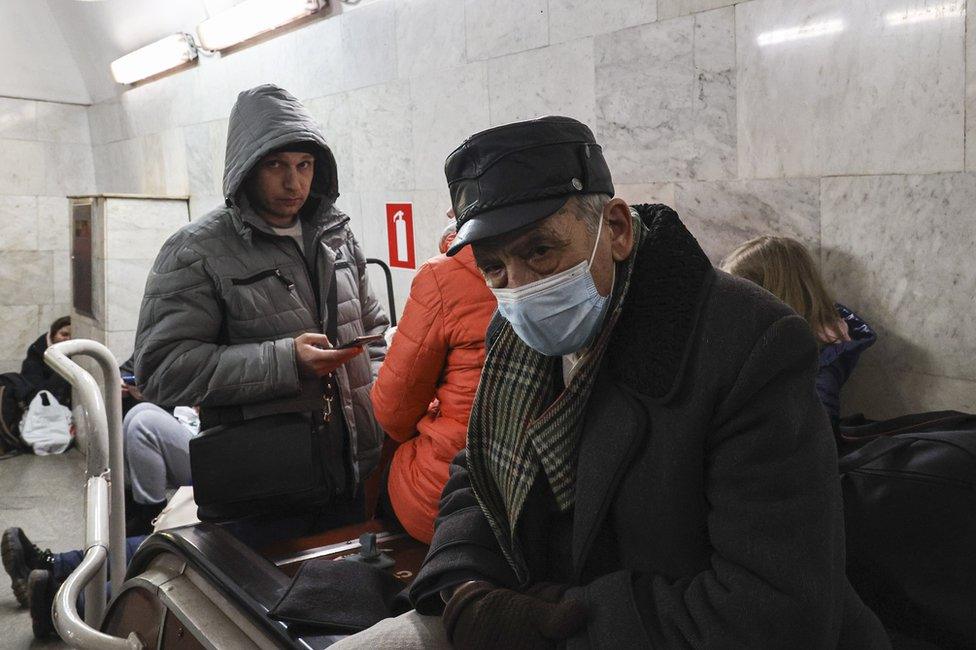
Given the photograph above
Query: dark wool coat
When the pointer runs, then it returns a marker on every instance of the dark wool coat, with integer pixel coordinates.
(42, 376)
(708, 506)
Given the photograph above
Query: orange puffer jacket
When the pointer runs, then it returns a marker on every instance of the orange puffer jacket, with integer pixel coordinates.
(437, 354)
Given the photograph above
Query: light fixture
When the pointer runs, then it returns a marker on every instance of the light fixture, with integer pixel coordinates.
(250, 18)
(799, 33)
(163, 55)
(936, 12)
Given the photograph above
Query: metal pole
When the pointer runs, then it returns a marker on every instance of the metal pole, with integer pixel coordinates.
(389, 286)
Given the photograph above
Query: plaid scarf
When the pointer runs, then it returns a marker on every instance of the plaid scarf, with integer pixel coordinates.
(520, 423)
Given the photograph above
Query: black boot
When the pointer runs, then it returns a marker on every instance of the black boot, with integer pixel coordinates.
(139, 518)
(20, 557)
(41, 590)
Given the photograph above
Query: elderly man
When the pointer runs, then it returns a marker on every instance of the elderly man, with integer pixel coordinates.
(243, 310)
(647, 463)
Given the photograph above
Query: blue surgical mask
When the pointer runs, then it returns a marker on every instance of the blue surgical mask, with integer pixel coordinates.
(559, 314)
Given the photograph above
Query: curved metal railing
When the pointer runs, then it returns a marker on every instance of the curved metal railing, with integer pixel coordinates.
(104, 503)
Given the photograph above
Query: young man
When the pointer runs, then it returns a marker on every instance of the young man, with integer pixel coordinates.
(647, 462)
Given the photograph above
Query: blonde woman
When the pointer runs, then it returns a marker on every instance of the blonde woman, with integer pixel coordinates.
(784, 267)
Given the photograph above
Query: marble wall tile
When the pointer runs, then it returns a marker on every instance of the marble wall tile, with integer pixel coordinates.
(319, 74)
(125, 283)
(894, 249)
(971, 85)
(154, 107)
(833, 87)
(504, 27)
(205, 148)
(22, 166)
(64, 123)
(880, 392)
(634, 193)
(673, 8)
(18, 119)
(25, 278)
(351, 203)
(556, 80)
(120, 166)
(165, 170)
(382, 140)
(430, 36)
(18, 223)
(573, 19)
(53, 224)
(447, 107)
(203, 204)
(69, 169)
(122, 343)
(213, 91)
(722, 214)
(20, 327)
(137, 228)
(50, 313)
(105, 122)
(665, 99)
(339, 125)
(369, 45)
(61, 277)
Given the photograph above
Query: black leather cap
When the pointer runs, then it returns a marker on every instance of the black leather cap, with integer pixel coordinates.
(510, 176)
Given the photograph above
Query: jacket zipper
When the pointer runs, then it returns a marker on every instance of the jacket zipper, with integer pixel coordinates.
(257, 277)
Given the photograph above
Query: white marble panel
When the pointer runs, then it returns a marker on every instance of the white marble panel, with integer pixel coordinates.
(368, 45)
(832, 87)
(65, 123)
(448, 106)
(381, 136)
(25, 278)
(673, 8)
(880, 392)
(504, 27)
(635, 193)
(121, 343)
(18, 119)
(53, 224)
(105, 122)
(165, 164)
(722, 215)
(137, 228)
(19, 327)
(213, 90)
(205, 148)
(573, 19)
(339, 126)
(351, 204)
(430, 36)
(61, 277)
(120, 166)
(971, 85)
(69, 169)
(156, 106)
(202, 204)
(318, 48)
(22, 167)
(556, 80)
(665, 99)
(896, 248)
(51, 312)
(125, 283)
(18, 223)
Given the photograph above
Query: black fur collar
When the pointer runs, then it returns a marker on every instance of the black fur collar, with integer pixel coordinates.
(653, 337)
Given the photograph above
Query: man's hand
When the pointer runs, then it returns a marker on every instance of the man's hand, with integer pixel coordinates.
(316, 357)
(481, 616)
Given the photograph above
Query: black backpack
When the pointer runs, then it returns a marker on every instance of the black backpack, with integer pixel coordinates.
(15, 396)
(910, 512)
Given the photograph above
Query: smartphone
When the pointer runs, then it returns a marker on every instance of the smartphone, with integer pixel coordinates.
(360, 341)
(128, 379)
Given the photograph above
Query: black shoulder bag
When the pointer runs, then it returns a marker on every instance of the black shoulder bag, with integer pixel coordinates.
(269, 464)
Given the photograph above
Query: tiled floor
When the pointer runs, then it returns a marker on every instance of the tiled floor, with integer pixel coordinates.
(44, 495)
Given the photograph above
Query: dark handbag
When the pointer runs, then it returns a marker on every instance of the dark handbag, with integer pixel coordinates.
(910, 515)
(270, 464)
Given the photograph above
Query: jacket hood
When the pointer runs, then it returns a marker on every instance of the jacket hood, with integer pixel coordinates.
(266, 118)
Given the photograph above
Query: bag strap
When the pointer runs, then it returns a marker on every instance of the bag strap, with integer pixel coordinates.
(331, 307)
(912, 423)
(881, 446)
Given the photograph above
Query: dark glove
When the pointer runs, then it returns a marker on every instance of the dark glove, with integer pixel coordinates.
(482, 616)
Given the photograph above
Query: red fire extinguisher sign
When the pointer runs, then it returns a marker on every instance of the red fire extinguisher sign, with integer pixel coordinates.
(399, 228)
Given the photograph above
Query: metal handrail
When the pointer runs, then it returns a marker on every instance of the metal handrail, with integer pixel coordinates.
(389, 286)
(105, 502)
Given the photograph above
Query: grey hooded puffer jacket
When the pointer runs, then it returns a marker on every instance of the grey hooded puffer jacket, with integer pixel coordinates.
(227, 296)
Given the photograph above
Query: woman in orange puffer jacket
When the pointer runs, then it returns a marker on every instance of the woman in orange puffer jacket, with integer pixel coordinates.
(422, 396)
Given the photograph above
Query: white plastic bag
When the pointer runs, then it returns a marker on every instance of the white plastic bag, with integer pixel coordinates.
(180, 511)
(46, 426)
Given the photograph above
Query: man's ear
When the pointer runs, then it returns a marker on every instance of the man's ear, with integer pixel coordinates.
(618, 218)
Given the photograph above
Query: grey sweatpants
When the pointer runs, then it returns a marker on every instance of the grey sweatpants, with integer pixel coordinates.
(157, 453)
(409, 631)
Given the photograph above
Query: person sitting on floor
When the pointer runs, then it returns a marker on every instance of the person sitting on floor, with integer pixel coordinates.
(783, 267)
(39, 374)
(422, 396)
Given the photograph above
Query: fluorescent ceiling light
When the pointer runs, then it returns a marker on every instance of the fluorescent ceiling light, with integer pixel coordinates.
(925, 14)
(250, 18)
(799, 33)
(157, 57)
